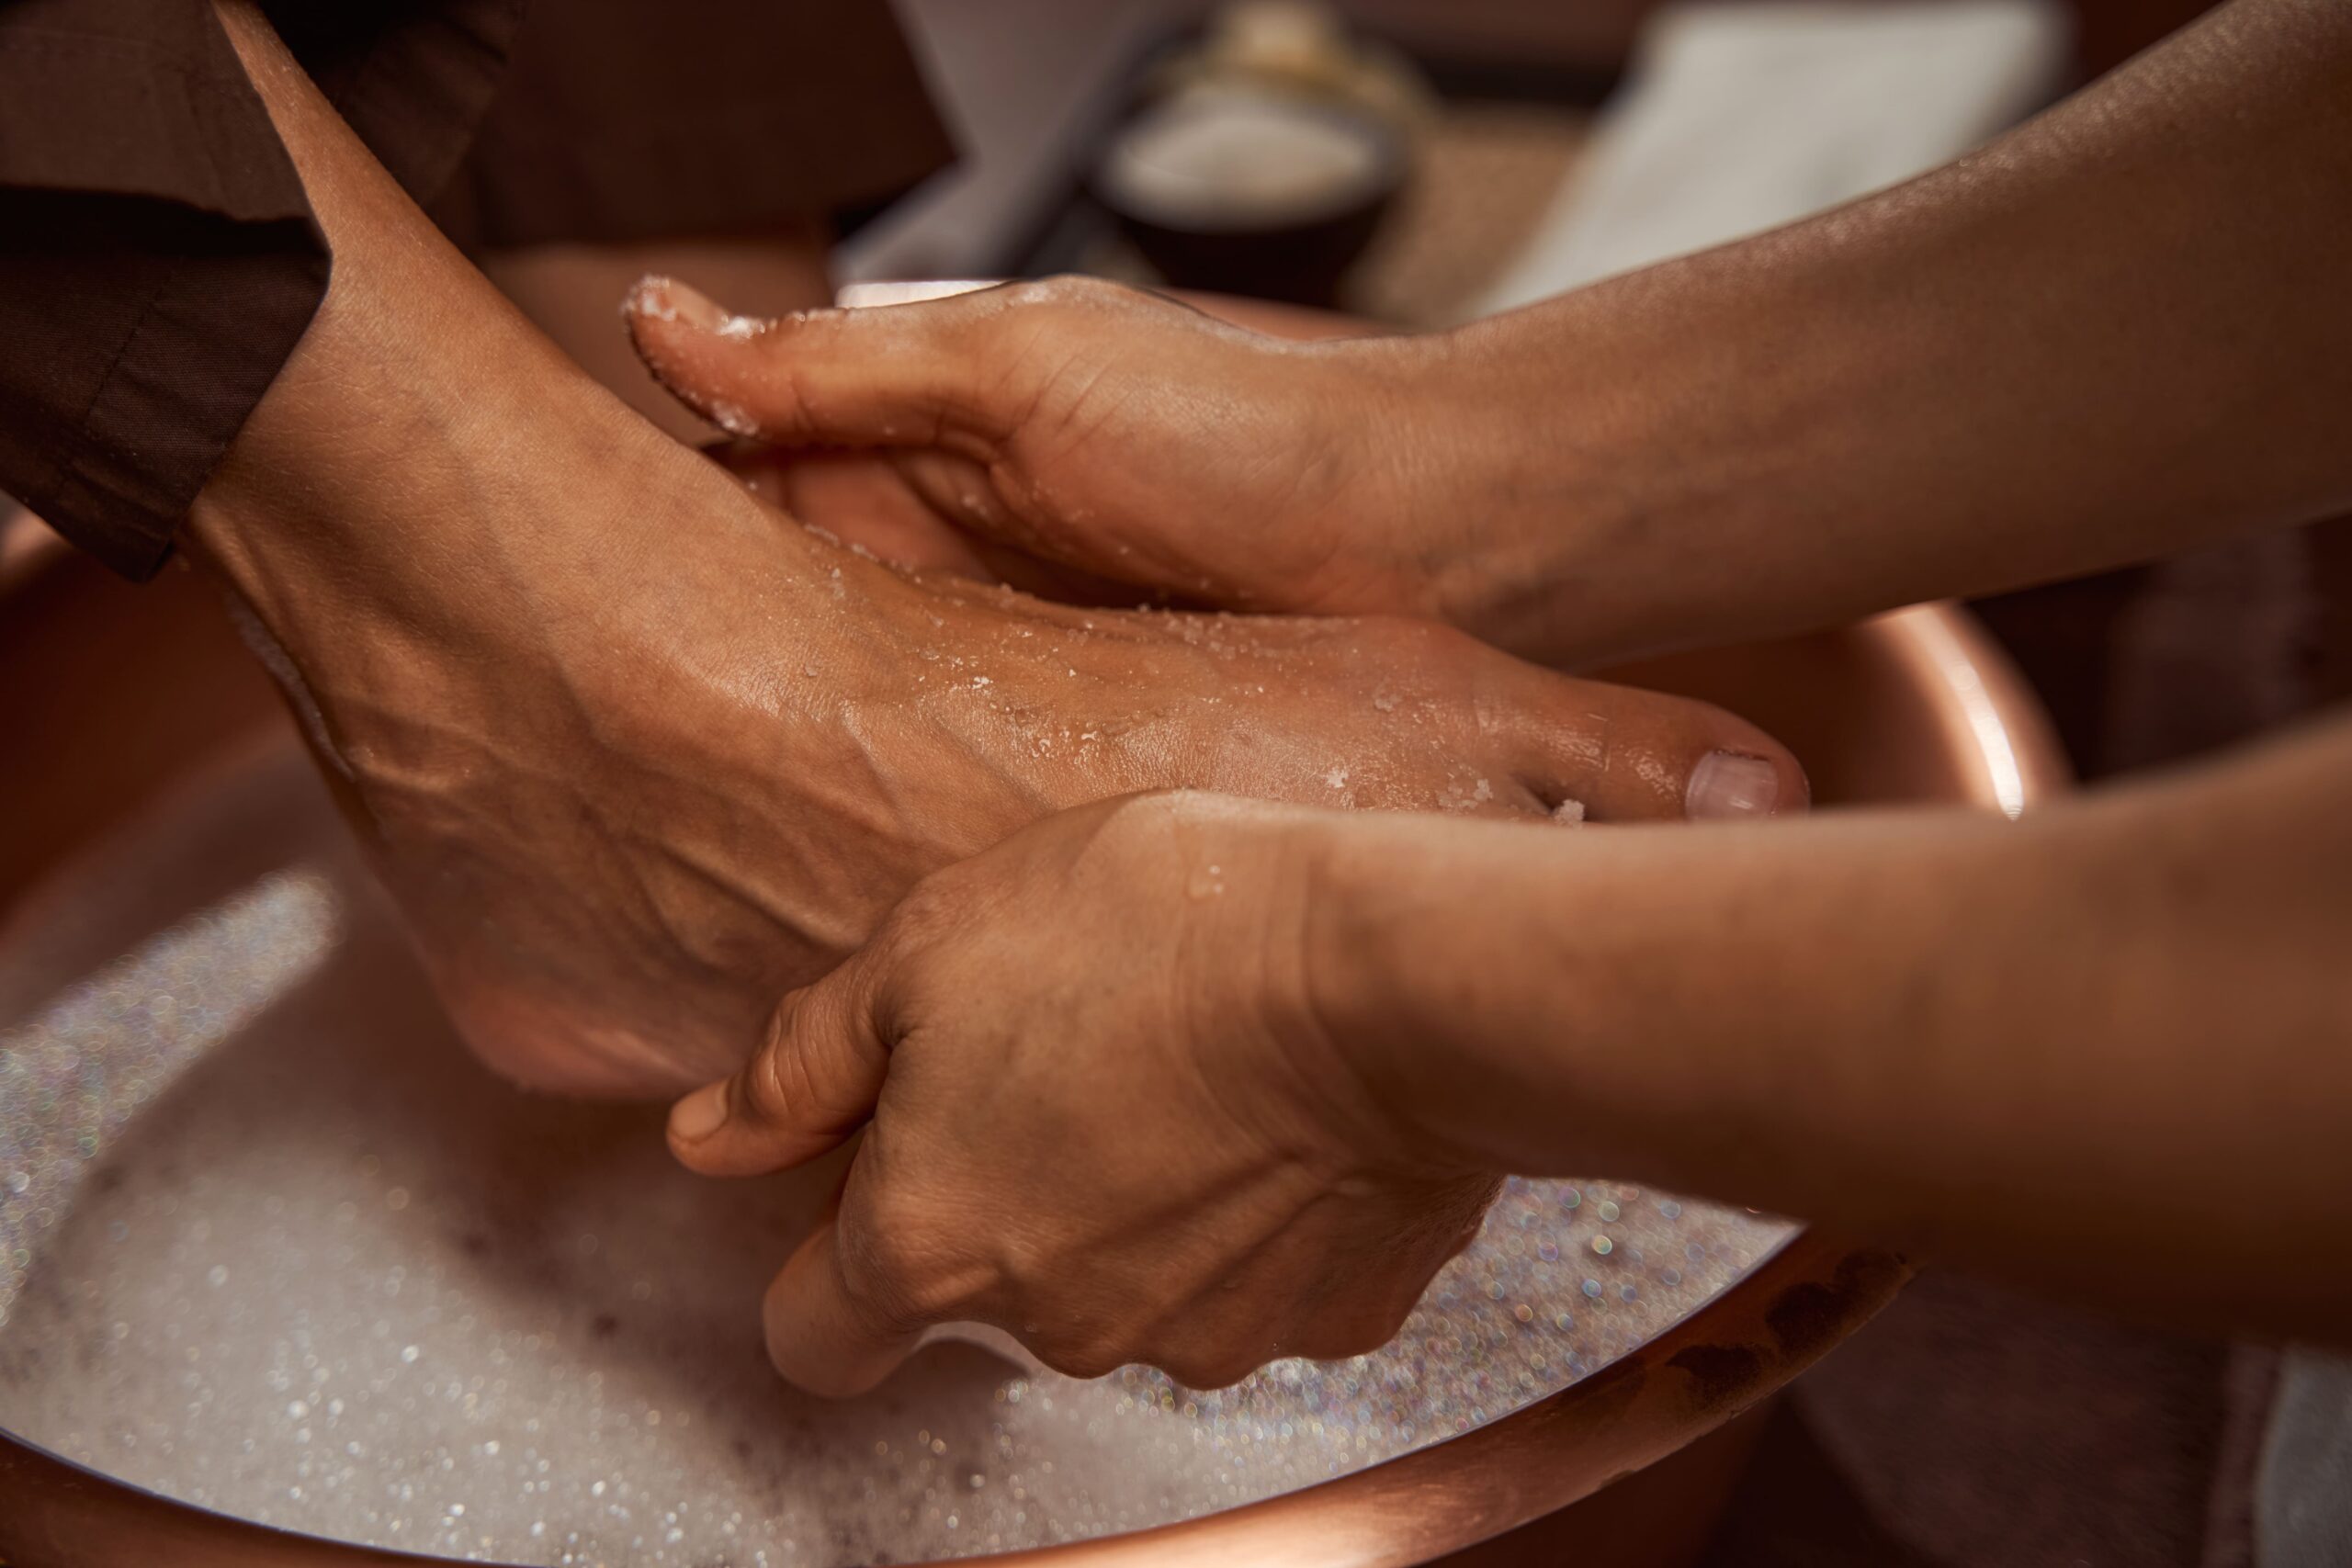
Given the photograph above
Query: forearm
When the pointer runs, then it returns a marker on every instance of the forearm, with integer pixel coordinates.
(2057, 1048)
(2120, 329)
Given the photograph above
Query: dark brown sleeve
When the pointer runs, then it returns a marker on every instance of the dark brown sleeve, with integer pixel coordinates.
(144, 205)
(158, 261)
(636, 119)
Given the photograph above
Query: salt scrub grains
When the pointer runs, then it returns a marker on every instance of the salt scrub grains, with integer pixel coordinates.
(1213, 160)
(311, 1265)
(734, 421)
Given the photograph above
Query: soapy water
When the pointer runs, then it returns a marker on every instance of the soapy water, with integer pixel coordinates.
(271, 1243)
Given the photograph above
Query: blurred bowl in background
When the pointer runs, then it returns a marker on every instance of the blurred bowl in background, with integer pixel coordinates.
(1242, 190)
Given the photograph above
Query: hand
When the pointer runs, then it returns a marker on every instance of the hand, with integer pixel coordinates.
(1119, 433)
(634, 765)
(636, 754)
(1104, 1116)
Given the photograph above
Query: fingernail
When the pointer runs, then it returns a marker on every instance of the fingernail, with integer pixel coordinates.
(1732, 783)
(661, 299)
(700, 1114)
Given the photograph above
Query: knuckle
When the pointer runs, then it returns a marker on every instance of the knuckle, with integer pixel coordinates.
(777, 1079)
(1149, 823)
(1211, 1369)
(1036, 1268)
(1087, 1354)
(930, 908)
(880, 1274)
(1352, 1333)
(903, 1262)
(1387, 1324)
(1386, 1317)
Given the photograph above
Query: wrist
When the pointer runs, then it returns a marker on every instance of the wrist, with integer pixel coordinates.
(1517, 476)
(1378, 970)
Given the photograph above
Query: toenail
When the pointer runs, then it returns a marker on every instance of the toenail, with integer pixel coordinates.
(1732, 783)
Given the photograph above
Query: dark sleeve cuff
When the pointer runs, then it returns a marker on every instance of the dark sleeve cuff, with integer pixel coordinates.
(158, 261)
(140, 335)
(157, 265)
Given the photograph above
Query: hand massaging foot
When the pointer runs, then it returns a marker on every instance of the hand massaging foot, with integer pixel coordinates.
(701, 776)
(635, 754)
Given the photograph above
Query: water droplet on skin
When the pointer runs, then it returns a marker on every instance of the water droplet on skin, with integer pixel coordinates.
(316, 1309)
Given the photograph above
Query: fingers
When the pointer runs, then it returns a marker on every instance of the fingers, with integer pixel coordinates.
(895, 375)
(1624, 754)
(812, 1082)
(823, 1333)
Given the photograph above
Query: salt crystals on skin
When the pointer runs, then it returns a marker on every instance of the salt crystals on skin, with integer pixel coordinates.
(731, 418)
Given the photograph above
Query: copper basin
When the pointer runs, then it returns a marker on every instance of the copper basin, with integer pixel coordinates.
(110, 694)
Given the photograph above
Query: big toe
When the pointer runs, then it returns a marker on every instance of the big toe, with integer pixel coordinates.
(1618, 753)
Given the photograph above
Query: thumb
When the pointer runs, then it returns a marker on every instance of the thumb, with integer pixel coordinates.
(883, 375)
(812, 1083)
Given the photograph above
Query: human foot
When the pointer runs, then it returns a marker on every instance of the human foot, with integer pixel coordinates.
(635, 754)
(799, 734)
(633, 766)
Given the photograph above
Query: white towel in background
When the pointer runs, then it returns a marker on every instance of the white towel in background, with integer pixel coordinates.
(1739, 118)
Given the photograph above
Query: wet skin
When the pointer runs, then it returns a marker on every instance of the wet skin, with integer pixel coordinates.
(2119, 331)
(635, 753)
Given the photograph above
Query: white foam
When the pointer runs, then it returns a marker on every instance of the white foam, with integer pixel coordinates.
(334, 1278)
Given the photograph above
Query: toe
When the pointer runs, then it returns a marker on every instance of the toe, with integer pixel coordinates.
(1623, 754)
